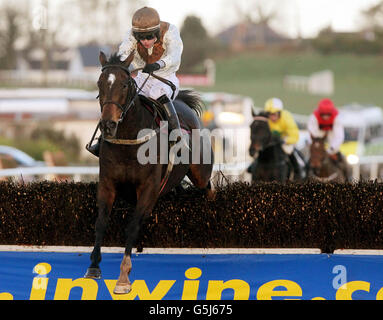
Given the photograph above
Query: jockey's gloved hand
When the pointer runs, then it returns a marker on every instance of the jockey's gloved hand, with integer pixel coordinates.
(149, 68)
(276, 133)
(334, 156)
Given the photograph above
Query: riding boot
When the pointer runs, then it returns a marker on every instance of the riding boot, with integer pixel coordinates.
(171, 113)
(95, 149)
(252, 169)
(298, 170)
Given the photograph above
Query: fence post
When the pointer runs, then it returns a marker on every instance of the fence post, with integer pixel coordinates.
(356, 172)
(374, 171)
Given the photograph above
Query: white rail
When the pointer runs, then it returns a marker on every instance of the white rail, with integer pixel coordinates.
(76, 172)
(230, 169)
(373, 162)
(227, 168)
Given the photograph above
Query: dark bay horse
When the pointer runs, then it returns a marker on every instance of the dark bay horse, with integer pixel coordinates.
(123, 116)
(271, 162)
(321, 167)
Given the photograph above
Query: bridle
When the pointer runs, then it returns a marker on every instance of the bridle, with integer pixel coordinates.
(128, 105)
(131, 83)
(324, 161)
(265, 120)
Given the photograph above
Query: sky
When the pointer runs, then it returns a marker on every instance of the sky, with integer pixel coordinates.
(304, 17)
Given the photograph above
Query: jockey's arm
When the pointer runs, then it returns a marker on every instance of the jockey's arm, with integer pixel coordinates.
(336, 138)
(292, 131)
(174, 46)
(313, 127)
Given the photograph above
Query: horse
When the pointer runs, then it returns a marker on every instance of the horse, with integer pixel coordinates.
(271, 162)
(321, 167)
(123, 116)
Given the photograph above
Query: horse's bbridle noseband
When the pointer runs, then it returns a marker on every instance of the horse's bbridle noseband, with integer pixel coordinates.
(126, 107)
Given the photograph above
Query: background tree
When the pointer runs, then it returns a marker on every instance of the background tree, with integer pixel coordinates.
(197, 43)
(373, 17)
(48, 24)
(9, 33)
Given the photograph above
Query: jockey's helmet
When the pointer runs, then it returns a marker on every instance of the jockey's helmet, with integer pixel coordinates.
(326, 107)
(146, 20)
(326, 114)
(273, 105)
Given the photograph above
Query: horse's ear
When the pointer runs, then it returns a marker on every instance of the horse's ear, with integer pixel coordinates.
(126, 63)
(102, 58)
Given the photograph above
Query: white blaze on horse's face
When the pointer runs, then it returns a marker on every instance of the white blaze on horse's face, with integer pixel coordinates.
(111, 80)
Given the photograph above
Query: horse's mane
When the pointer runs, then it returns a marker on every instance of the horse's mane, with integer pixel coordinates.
(114, 59)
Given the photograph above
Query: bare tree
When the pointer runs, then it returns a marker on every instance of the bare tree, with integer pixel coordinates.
(261, 13)
(373, 17)
(44, 24)
(8, 37)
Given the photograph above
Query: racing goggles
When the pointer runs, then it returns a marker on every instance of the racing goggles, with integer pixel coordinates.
(273, 113)
(144, 36)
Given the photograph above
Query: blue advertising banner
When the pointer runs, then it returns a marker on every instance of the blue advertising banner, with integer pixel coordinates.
(59, 276)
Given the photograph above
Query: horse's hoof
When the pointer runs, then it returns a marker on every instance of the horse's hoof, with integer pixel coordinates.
(122, 288)
(93, 273)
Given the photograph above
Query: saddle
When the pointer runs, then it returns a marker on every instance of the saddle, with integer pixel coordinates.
(156, 109)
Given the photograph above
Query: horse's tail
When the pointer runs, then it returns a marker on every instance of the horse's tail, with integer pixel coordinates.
(192, 99)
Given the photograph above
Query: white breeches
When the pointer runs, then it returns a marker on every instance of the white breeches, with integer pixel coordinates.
(155, 88)
(288, 148)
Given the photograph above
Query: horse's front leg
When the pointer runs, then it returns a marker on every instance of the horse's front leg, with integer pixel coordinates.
(106, 194)
(146, 199)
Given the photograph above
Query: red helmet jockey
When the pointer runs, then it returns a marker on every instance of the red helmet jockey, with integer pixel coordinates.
(326, 114)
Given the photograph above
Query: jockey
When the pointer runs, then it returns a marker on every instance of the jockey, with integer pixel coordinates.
(157, 48)
(325, 122)
(282, 124)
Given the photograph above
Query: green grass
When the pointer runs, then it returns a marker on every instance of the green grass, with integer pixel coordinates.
(260, 76)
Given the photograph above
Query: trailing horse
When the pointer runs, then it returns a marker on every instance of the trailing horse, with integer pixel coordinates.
(321, 167)
(271, 162)
(123, 116)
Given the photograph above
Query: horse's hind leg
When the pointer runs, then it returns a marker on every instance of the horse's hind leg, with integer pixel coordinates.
(106, 194)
